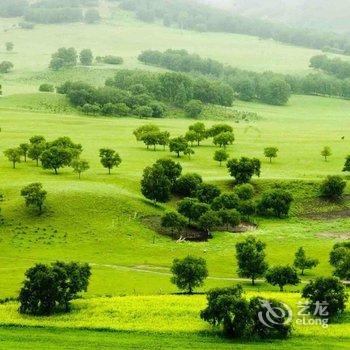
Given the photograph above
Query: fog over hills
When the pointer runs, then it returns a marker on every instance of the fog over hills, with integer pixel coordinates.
(323, 14)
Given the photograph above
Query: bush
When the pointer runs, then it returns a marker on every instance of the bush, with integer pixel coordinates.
(186, 185)
(327, 290)
(46, 88)
(332, 187)
(244, 192)
(275, 202)
(6, 66)
(114, 60)
(193, 108)
(206, 193)
(189, 273)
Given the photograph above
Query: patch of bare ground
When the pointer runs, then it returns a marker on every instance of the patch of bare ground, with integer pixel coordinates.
(334, 235)
(331, 215)
(191, 232)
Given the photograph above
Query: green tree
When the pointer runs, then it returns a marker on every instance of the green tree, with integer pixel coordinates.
(174, 221)
(55, 158)
(194, 108)
(192, 209)
(276, 92)
(271, 152)
(227, 200)
(50, 288)
(244, 191)
(326, 152)
(230, 217)
(34, 195)
(155, 185)
(332, 187)
(209, 220)
(302, 262)
(172, 170)
(189, 273)
(206, 193)
(24, 147)
(9, 46)
(144, 112)
(86, 57)
(144, 129)
(64, 58)
(189, 152)
(327, 290)
(109, 159)
(36, 148)
(6, 66)
(220, 156)
(13, 155)
(347, 164)
(79, 166)
(224, 139)
(244, 169)
(250, 256)
(199, 130)
(281, 276)
(340, 260)
(186, 185)
(275, 202)
(178, 145)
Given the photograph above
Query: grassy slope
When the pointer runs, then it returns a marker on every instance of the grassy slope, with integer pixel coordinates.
(97, 219)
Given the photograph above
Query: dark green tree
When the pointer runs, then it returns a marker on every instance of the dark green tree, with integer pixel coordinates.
(178, 145)
(34, 195)
(275, 202)
(220, 156)
(206, 193)
(224, 139)
(86, 57)
(244, 169)
(281, 276)
(24, 147)
(186, 185)
(13, 155)
(302, 262)
(109, 158)
(332, 187)
(193, 108)
(271, 152)
(174, 221)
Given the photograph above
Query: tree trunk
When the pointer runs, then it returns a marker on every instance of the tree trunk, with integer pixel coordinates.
(14, 165)
(37, 162)
(109, 171)
(253, 281)
(281, 288)
(56, 172)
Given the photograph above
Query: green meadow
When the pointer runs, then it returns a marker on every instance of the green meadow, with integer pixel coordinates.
(104, 220)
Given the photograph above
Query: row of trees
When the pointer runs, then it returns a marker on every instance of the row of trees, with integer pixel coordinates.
(60, 153)
(333, 66)
(200, 17)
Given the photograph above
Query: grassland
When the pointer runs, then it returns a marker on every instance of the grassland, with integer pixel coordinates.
(104, 220)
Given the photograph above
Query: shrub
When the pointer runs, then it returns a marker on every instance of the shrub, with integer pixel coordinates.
(186, 185)
(46, 88)
(244, 192)
(206, 193)
(275, 202)
(193, 108)
(332, 187)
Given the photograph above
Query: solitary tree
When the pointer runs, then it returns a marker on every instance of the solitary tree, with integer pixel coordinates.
(271, 152)
(347, 164)
(13, 155)
(302, 262)
(6, 66)
(178, 145)
(326, 152)
(109, 158)
(220, 156)
(24, 148)
(189, 273)
(250, 255)
(9, 46)
(186, 185)
(86, 57)
(79, 166)
(281, 276)
(34, 195)
(244, 169)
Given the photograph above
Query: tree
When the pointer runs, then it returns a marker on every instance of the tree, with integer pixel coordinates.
(186, 185)
(340, 260)
(6, 66)
(347, 164)
(50, 288)
(230, 217)
(36, 148)
(172, 170)
(244, 191)
(151, 139)
(64, 58)
(332, 187)
(281, 276)
(174, 221)
(326, 152)
(199, 130)
(191, 137)
(144, 129)
(192, 209)
(189, 152)
(79, 166)
(9, 46)
(178, 145)
(109, 159)
(220, 156)
(225, 201)
(13, 155)
(302, 262)
(144, 112)
(209, 220)
(218, 129)
(275, 202)
(189, 273)
(271, 152)
(86, 57)
(326, 290)
(250, 255)
(46, 88)
(224, 139)
(241, 318)
(92, 16)
(247, 208)
(24, 148)
(55, 158)
(193, 108)
(244, 169)
(206, 193)
(34, 195)
(276, 92)
(155, 185)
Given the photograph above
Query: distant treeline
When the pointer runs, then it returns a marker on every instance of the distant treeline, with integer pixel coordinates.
(335, 66)
(50, 11)
(268, 87)
(192, 15)
(134, 92)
